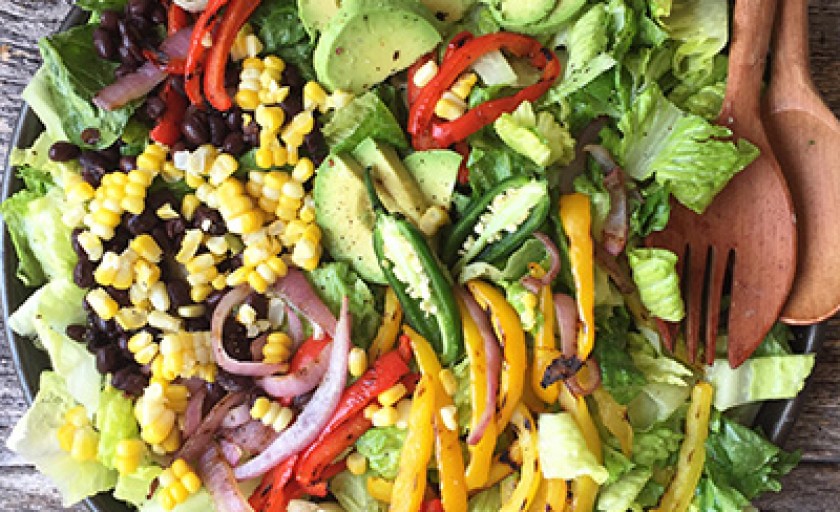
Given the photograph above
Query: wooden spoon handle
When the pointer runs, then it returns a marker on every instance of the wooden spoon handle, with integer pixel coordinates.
(790, 49)
(753, 22)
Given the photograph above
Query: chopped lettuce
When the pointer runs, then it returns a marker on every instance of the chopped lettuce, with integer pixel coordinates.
(463, 397)
(563, 450)
(759, 378)
(73, 79)
(335, 280)
(702, 28)
(101, 5)
(365, 116)
(488, 500)
(115, 422)
(282, 33)
(382, 446)
(680, 150)
(652, 212)
(351, 493)
(619, 374)
(621, 494)
(537, 136)
(134, 488)
(491, 162)
(35, 439)
(655, 275)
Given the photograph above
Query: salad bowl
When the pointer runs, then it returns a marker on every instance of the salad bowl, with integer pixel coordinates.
(775, 418)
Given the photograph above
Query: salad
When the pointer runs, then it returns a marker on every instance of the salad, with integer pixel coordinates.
(381, 254)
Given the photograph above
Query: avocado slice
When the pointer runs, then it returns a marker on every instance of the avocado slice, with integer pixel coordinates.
(435, 172)
(401, 192)
(315, 14)
(369, 40)
(345, 215)
(449, 11)
(521, 12)
(563, 12)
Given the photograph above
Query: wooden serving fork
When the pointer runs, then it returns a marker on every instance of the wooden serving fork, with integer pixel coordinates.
(750, 225)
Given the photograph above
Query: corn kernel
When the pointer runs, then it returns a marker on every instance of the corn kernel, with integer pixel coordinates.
(91, 244)
(385, 417)
(356, 463)
(303, 170)
(380, 488)
(189, 205)
(260, 407)
(131, 319)
(270, 118)
(247, 99)
(189, 245)
(463, 86)
(264, 158)
(449, 415)
(425, 74)
(357, 362)
(80, 192)
(147, 248)
(85, 444)
(102, 303)
(392, 395)
(370, 410)
(247, 222)
(314, 96)
(256, 281)
(450, 107)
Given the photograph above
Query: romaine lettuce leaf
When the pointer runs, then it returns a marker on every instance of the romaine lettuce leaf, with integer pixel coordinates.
(382, 446)
(488, 500)
(15, 210)
(35, 439)
(365, 116)
(619, 374)
(563, 450)
(463, 397)
(702, 28)
(115, 422)
(335, 280)
(351, 493)
(74, 79)
(620, 496)
(758, 379)
(537, 136)
(134, 488)
(682, 151)
(282, 33)
(655, 275)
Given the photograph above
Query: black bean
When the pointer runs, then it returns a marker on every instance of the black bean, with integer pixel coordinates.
(83, 273)
(179, 293)
(208, 220)
(179, 146)
(105, 44)
(162, 239)
(212, 301)
(96, 342)
(197, 324)
(120, 241)
(143, 223)
(251, 133)
(259, 302)
(195, 130)
(316, 146)
(154, 107)
(128, 163)
(234, 144)
(93, 161)
(142, 26)
(120, 296)
(218, 130)
(109, 20)
(293, 78)
(63, 151)
(293, 104)
(232, 71)
(112, 155)
(74, 242)
(91, 136)
(175, 228)
(233, 119)
(77, 332)
(109, 359)
(130, 379)
(158, 15)
(138, 7)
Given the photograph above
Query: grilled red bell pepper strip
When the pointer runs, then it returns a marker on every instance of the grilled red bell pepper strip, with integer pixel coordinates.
(237, 13)
(429, 133)
(455, 44)
(273, 483)
(168, 128)
(318, 457)
(308, 351)
(177, 18)
(203, 26)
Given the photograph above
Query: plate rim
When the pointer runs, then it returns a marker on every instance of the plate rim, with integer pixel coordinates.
(776, 418)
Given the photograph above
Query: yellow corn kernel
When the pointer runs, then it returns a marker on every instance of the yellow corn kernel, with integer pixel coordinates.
(449, 382)
(131, 319)
(433, 219)
(129, 453)
(245, 223)
(223, 167)
(80, 192)
(164, 322)
(294, 232)
(300, 126)
(77, 416)
(380, 488)
(314, 96)
(189, 205)
(270, 119)
(247, 99)
(403, 413)
(235, 206)
(370, 410)
(274, 63)
(102, 303)
(189, 245)
(449, 415)
(85, 444)
(143, 347)
(230, 188)
(238, 276)
(134, 205)
(148, 162)
(65, 436)
(464, 85)
(279, 156)
(357, 362)
(172, 441)
(264, 158)
(450, 107)
(91, 244)
(293, 189)
(392, 395)
(147, 248)
(257, 282)
(200, 263)
(200, 293)
(276, 264)
(425, 73)
(356, 463)
(385, 417)
(303, 170)
(191, 482)
(260, 407)
(106, 217)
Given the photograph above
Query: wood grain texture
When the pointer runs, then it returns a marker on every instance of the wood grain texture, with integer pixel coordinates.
(813, 487)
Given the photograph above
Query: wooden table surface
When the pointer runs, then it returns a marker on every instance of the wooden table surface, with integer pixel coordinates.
(813, 486)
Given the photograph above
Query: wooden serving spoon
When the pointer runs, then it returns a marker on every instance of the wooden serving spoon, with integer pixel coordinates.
(750, 223)
(806, 140)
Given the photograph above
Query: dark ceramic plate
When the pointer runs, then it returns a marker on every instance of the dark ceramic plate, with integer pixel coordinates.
(776, 418)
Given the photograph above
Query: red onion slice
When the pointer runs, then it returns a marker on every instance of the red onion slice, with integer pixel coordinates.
(587, 136)
(295, 326)
(257, 347)
(193, 446)
(217, 476)
(192, 415)
(493, 356)
(591, 384)
(317, 412)
(251, 436)
(295, 288)
(229, 301)
(304, 380)
(619, 273)
(237, 416)
(232, 453)
(534, 284)
(141, 82)
(617, 223)
(565, 312)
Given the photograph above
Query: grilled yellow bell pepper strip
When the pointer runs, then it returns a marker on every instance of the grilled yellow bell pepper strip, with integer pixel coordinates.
(576, 219)
(530, 475)
(509, 332)
(386, 336)
(380, 488)
(584, 489)
(450, 461)
(551, 496)
(481, 454)
(544, 345)
(614, 417)
(410, 484)
(498, 472)
(692, 452)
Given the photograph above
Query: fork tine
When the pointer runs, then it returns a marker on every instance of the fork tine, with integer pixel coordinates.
(694, 297)
(718, 263)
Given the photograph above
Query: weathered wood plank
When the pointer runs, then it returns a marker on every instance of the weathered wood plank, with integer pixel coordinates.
(814, 486)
